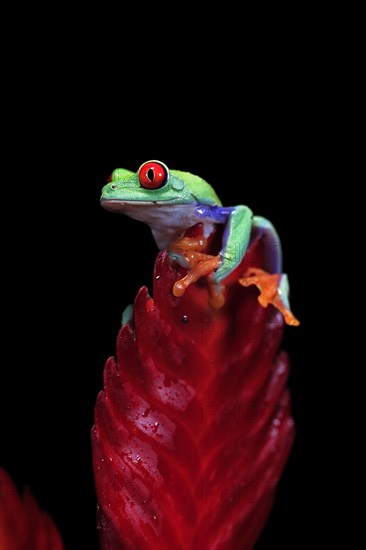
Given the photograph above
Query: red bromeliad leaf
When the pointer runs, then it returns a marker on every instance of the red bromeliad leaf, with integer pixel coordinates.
(23, 526)
(193, 428)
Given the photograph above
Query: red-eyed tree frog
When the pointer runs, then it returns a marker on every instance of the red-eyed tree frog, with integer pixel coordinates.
(171, 202)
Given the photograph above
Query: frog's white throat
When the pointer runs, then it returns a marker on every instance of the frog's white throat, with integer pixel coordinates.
(167, 221)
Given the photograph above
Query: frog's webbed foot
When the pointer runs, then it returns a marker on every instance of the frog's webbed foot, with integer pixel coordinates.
(273, 290)
(188, 252)
(204, 267)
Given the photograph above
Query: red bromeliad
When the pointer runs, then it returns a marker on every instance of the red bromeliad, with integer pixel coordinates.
(193, 428)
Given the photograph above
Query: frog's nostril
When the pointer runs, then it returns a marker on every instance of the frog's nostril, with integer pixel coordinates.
(113, 186)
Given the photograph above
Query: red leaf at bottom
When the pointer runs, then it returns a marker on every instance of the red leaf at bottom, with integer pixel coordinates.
(22, 524)
(193, 428)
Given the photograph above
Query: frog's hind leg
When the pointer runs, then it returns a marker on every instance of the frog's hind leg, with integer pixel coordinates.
(264, 229)
(271, 282)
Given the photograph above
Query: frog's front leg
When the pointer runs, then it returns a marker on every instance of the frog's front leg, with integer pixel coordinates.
(188, 252)
(238, 227)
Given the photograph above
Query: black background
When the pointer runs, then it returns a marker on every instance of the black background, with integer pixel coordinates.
(62, 310)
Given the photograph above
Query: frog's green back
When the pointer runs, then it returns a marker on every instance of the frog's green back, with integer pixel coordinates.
(199, 188)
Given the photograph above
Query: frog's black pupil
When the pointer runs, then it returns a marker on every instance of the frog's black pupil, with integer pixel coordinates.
(150, 174)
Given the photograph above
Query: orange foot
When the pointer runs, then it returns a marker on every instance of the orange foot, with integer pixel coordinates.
(268, 285)
(189, 253)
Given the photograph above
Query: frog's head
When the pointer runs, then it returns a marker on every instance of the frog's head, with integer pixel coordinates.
(154, 184)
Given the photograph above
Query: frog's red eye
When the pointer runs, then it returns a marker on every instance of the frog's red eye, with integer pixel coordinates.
(153, 175)
(109, 179)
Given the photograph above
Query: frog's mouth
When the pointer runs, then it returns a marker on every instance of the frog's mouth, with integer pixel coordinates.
(114, 205)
